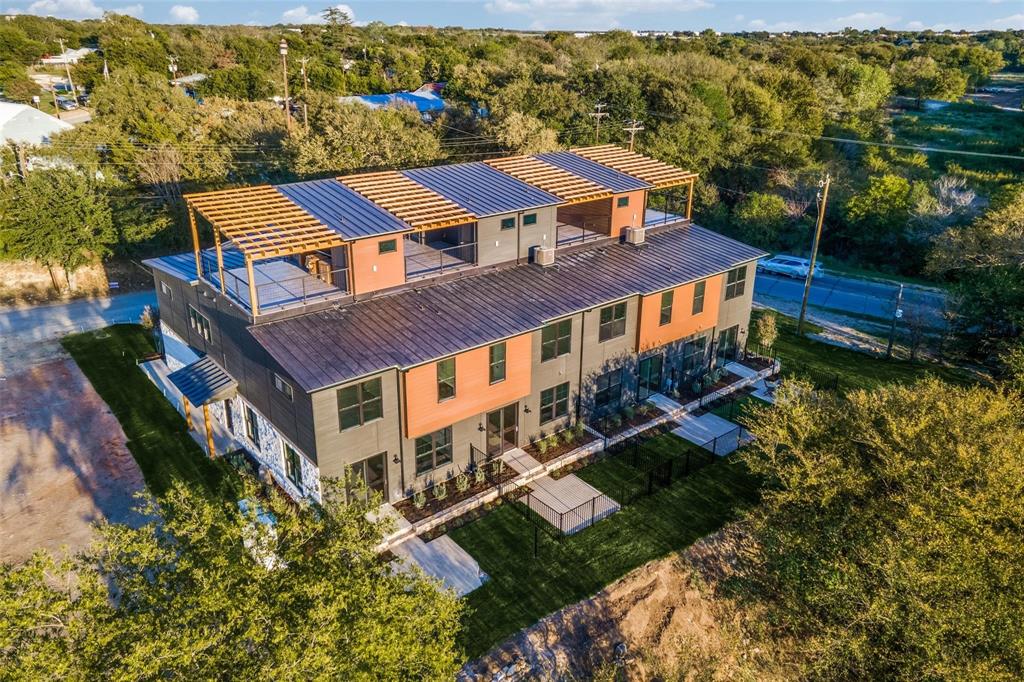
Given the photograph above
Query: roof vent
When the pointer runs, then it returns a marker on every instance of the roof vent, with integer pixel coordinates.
(544, 255)
(635, 235)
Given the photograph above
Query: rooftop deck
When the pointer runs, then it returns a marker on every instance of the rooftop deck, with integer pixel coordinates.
(279, 283)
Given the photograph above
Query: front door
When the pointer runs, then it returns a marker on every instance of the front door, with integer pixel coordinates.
(650, 376)
(728, 343)
(502, 430)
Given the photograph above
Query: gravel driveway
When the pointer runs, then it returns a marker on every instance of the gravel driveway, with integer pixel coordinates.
(64, 462)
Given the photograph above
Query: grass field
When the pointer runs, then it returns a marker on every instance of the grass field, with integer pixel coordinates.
(522, 589)
(157, 435)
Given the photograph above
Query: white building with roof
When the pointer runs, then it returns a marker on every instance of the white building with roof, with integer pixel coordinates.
(22, 124)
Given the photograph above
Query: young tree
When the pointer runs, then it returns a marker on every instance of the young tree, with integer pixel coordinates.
(767, 328)
(206, 592)
(57, 218)
(889, 535)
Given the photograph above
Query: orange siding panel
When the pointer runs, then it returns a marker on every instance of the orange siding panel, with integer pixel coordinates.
(628, 216)
(372, 270)
(474, 394)
(653, 334)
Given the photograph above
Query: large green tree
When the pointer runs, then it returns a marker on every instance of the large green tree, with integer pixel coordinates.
(205, 592)
(57, 218)
(889, 540)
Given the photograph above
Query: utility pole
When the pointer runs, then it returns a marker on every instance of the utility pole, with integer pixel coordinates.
(897, 313)
(67, 68)
(597, 115)
(56, 108)
(305, 94)
(283, 49)
(822, 201)
(633, 128)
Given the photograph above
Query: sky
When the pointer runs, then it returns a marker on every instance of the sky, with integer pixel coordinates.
(579, 15)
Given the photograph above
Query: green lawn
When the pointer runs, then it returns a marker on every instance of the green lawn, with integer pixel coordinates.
(157, 436)
(522, 589)
(855, 369)
(739, 410)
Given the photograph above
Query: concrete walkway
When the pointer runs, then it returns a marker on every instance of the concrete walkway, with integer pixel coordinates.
(442, 559)
(711, 432)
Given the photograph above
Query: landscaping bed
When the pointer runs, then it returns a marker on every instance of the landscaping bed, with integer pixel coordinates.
(686, 394)
(626, 419)
(558, 444)
(450, 495)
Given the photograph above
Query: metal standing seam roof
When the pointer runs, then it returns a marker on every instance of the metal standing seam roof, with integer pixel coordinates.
(342, 209)
(203, 381)
(593, 171)
(414, 326)
(480, 189)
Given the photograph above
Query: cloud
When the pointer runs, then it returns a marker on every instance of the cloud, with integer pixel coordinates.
(587, 14)
(66, 9)
(129, 11)
(858, 20)
(184, 14)
(1014, 22)
(302, 15)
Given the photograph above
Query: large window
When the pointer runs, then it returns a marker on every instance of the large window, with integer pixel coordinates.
(497, 363)
(554, 403)
(735, 282)
(433, 450)
(445, 379)
(252, 431)
(666, 306)
(608, 389)
(199, 323)
(292, 465)
(556, 340)
(359, 403)
(613, 322)
(283, 386)
(698, 296)
(372, 471)
(693, 355)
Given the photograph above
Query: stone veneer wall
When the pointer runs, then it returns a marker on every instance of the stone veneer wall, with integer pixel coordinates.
(270, 452)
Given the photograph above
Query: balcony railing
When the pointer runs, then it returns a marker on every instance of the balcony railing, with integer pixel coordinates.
(279, 283)
(422, 260)
(591, 230)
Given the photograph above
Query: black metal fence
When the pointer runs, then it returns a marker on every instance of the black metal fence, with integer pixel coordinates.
(656, 469)
(570, 521)
(820, 379)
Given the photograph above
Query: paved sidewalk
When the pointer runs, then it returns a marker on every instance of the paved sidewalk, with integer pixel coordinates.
(442, 559)
(711, 432)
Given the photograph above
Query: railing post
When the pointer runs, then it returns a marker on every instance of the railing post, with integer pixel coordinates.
(593, 509)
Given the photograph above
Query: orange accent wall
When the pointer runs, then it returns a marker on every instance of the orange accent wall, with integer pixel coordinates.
(474, 394)
(628, 216)
(683, 323)
(390, 270)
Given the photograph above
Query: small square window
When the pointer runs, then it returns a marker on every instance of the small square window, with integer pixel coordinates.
(199, 323)
(530, 219)
(387, 246)
(613, 322)
(622, 202)
(554, 403)
(735, 282)
(166, 290)
(555, 340)
(508, 223)
(283, 386)
(445, 379)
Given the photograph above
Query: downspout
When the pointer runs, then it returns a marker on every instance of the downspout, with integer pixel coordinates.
(401, 419)
(519, 236)
(579, 385)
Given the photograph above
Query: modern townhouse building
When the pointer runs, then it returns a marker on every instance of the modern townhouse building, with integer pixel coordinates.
(409, 324)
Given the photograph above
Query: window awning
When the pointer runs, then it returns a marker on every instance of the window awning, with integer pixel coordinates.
(204, 381)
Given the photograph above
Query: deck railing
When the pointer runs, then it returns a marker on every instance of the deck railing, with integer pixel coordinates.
(299, 289)
(591, 230)
(430, 261)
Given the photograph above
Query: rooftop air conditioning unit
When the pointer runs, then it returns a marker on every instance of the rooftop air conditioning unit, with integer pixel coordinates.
(635, 235)
(544, 255)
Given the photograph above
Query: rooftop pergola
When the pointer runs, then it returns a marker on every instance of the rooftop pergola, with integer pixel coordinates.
(261, 223)
(570, 188)
(421, 208)
(657, 173)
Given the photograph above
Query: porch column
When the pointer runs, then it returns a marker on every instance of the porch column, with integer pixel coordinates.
(220, 259)
(209, 431)
(254, 304)
(195, 239)
(188, 412)
(689, 200)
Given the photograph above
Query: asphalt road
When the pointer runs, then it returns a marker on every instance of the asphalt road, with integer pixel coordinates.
(30, 334)
(858, 297)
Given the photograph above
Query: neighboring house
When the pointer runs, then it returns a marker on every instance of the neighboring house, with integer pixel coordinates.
(426, 99)
(189, 81)
(409, 324)
(22, 124)
(68, 56)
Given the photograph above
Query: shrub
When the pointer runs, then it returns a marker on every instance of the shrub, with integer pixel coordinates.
(440, 491)
(628, 412)
(579, 427)
(498, 467)
(696, 386)
(462, 483)
(419, 500)
(542, 446)
(147, 319)
(553, 441)
(568, 436)
(480, 474)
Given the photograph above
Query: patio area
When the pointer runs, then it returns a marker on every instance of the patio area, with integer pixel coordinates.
(566, 234)
(279, 283)
(436, 257)
(711, 432)
(442, 559)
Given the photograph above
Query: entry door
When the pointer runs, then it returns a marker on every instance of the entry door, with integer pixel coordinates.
(376, 473)
(650, 376)
(502, 430)
(728, 342)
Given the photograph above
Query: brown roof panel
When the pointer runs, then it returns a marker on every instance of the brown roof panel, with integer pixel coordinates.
(408, 200)
(567, 186)
(657, 173)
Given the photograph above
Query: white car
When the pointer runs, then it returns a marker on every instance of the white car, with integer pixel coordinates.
(790, 266)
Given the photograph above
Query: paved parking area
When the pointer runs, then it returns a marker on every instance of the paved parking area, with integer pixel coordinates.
(64, 462)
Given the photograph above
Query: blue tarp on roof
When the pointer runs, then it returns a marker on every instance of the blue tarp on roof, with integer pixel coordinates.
(593, 171)
(342, 209)
(480, 189)
(426, 99)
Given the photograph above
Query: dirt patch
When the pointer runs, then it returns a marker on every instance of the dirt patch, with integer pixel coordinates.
(64, 462)
(663, 620)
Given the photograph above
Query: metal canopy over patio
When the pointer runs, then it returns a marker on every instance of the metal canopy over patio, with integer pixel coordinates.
(410, 201)
(200, 383)
(567, 186)
(659, 174)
